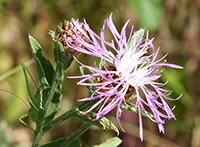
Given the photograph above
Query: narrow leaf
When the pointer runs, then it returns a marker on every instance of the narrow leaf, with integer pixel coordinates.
(54, 106)
(44, 66)
(35, 46)
(30, 92)
(21, 120)
(33, 112)
(41, 74)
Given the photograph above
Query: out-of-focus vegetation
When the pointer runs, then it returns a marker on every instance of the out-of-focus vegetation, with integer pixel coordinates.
(173, 23)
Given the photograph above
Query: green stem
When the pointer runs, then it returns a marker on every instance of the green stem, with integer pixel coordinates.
(36, 139)
(60, 69)
(67, 115)
(84, 127)
(40, 123)
(56, 82)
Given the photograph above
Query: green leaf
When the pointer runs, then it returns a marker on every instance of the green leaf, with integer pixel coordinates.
(44, 66)
(46, 74)
(35, 46)
(34, 101)
(33, 112)
(21, 120)
(68, 60)
(112, 142)
(41, 74)
(58, 49)
(59, 142)
(54, 105)
(61, 56)
(149, 12)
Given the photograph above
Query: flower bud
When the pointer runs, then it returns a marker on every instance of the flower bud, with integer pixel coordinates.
(67, 32)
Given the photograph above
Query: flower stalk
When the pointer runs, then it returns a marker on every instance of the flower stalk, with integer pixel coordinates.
(42, 114)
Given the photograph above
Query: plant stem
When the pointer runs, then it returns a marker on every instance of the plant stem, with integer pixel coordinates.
(40, 122)
(84, 127)
(36, 139)
(63, 63)
(67, 115)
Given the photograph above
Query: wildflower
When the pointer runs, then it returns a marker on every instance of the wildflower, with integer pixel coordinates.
(130, 67)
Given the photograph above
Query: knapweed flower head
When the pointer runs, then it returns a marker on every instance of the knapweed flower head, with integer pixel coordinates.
(130, 66)
(67, 32)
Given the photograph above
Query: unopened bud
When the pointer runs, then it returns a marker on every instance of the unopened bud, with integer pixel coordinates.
(67, 32)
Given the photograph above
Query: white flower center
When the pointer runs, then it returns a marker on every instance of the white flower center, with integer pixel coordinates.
(133, 66)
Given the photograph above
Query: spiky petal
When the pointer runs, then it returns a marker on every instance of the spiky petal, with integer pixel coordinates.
(128, 63)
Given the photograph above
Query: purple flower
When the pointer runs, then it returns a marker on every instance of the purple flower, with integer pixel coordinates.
(129, 67)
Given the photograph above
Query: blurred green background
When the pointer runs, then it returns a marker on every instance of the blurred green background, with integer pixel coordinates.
(175, 24)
